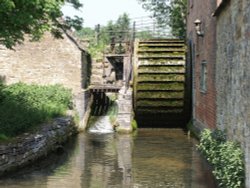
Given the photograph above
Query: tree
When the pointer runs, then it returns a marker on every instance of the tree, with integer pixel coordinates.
(123, 26)
(33, 17)
(169, 12)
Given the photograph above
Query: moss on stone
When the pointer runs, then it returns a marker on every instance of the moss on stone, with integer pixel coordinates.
(173, 103)
(160, 111)
(162, 61)
(161, 45)
(160, 77)
(161, 69)
(160, 86)
(134, 125)
(163, 55)
(160, 95)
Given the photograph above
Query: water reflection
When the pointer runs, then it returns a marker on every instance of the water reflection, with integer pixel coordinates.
(152, 158)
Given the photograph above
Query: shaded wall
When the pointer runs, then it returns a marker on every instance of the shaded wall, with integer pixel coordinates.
(233, 73)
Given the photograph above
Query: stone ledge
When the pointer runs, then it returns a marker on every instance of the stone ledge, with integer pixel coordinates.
(27, 148)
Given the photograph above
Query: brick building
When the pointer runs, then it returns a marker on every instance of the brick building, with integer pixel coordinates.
(49, 61)
(201, 37)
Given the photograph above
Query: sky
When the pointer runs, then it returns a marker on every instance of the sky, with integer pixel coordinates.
(101, 11)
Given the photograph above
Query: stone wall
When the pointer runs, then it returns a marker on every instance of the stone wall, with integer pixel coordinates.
(30, 147)
(49, 61)
(125, 111)
(202, 49)
(233, 73)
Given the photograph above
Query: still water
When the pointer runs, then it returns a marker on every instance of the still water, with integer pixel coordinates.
(150, 158)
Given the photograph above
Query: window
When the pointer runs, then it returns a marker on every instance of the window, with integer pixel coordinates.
(203, 77)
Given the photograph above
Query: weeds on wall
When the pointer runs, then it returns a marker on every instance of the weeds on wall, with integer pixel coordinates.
(226, 158)
(23, 107)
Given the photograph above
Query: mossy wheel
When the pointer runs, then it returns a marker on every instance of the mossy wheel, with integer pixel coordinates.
(159, 82)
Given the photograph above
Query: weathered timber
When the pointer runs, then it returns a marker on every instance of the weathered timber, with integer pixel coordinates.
(159, 82)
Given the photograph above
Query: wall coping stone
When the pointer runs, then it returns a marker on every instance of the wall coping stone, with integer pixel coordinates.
(29, 147)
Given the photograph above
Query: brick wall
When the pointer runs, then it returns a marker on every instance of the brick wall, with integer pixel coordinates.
(233, 74)
(204, 50)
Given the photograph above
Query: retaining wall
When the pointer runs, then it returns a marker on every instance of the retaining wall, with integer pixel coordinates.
(29, 147)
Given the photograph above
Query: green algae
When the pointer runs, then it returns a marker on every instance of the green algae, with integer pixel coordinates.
(161, 69)
(159, 111)
(165, 86)
(169, 103)
(160, 95)
(161, 61)
(162, 55)
(159, 77)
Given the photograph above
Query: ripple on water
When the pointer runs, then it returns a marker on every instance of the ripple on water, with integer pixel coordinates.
(152, 158)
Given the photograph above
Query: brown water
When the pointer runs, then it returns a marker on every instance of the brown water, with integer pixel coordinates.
(150, 159)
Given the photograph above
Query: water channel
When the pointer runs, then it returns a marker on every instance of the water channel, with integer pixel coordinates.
(150, 158)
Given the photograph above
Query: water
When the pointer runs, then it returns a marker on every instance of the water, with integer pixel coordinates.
(101, 125)
(149, 159)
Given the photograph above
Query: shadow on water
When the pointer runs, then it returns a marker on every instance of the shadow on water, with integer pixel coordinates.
(46, 165)
(150, 158)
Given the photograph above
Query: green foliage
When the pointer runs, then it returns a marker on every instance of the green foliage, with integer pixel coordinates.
(134, 124)
(33, 17)
(226, 158)
(23, 107)
(144, 35)
(112, 109)
(169, 12)
(3, 137)
(102, 36)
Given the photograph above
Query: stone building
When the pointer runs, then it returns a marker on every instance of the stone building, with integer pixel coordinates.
(201, 37)
(49, 61)
(233, 73)
(218, 33)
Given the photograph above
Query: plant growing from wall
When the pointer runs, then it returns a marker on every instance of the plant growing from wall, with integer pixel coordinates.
(226, 158)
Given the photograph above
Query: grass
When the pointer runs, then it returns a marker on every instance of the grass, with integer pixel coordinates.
(23, 107)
